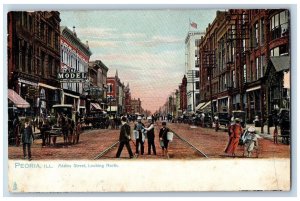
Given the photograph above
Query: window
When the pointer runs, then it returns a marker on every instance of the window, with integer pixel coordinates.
(279, 24)
(197, 84)
(257, 72)
(245, 73)
(233, 79)
(262, 65)
(109, 88)
(274, 52)
(255, 35)
(262, 32)
(50, 65)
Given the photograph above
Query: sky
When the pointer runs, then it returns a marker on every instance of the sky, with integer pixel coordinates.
(145, 46)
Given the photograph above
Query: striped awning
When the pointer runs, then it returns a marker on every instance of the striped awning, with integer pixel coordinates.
(17, 99)
(95, 106)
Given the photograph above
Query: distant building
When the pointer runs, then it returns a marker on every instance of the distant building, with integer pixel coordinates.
(192, 69)
(98, 83)
(128, 108)
(115, 95)
(136, 106)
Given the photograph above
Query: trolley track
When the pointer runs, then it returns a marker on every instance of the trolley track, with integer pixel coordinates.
(191, 145)
(180, 145)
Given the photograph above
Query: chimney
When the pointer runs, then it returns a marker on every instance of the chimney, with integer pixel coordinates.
(74, 32)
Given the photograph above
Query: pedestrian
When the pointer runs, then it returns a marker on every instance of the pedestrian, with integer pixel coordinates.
(235, 132)
(44, 128)
(250, 141)
(139, 126)
(150, 135)
(16, 128)
(124, 138)
(275, 135)
(27, 139)
(164, 142)
(65, 128)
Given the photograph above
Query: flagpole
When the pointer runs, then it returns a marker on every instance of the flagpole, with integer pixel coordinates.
(189, 24)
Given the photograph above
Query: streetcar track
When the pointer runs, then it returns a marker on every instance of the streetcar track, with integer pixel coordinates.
(106, 150)
(184, 140)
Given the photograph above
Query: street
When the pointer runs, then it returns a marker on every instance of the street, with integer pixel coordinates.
(93, 142)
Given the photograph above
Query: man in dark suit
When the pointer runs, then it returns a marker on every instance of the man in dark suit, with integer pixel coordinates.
(124, 138)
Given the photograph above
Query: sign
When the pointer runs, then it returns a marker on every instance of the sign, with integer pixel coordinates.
(72, 76)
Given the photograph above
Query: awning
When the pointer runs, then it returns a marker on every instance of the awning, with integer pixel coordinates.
(281, 63)
(253, 88)
(46, 86)
(17, 99)
(205, 105)
(199, 106)
(71, 95)
(95, 106)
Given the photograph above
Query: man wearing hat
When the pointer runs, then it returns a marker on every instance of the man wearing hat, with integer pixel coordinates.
(140, 140)
(236, 131)
(163, 133)
(124, 138)
(150, 135)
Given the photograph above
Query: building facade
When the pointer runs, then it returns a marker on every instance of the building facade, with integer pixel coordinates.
(128, 108)
(235, 53)
(98, 82)
(115, 95)
(75, 57)
(136, 106)
(192, 69)
(34, 58)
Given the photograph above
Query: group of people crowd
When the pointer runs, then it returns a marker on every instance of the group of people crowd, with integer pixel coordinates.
(140, 133)
(237, 136)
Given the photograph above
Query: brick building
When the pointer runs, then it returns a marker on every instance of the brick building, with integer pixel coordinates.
(183, 95)
(34, 58)
(136, 106)
(235, 53)
(115, 95)
(128, 108)
(98, 83)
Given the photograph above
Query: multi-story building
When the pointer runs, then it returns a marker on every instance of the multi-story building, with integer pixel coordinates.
(115, 95)
(183, 96)
(192, 69)
(244, 60)
(98, 83)
(75, 57)
(34, 58)
(127, 92)
(136, 106)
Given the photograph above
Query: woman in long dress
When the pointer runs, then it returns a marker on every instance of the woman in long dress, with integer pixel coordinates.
(235, 132)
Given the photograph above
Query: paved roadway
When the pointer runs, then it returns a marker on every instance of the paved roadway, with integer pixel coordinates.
(92, 142)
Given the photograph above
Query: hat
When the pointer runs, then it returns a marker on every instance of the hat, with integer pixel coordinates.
(237, 119)
(124, 119)
(139, 118)
(251, 129)
(149, 118)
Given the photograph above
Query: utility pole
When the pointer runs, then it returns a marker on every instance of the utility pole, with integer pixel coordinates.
(210, 64)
